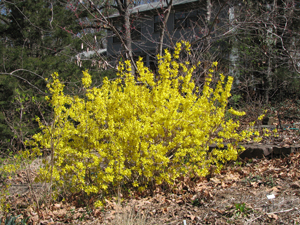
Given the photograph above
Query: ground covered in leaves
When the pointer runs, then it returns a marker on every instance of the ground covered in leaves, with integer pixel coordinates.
(239, 195)
(249, 191)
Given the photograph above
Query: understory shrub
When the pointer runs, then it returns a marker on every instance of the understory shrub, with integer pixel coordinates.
(138, 128)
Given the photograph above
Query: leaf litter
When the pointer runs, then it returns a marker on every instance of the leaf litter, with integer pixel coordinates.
(237, 195)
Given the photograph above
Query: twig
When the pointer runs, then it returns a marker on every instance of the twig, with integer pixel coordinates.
(254, 219)
(21, 78)
(30, 186)
(287, 210)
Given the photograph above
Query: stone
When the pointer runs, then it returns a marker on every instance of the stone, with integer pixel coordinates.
(282, 150)
(256, 151)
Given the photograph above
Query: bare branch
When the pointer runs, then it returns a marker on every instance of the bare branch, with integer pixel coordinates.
(21, 78)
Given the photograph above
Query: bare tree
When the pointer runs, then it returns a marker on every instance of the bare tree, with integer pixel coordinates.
(202, 28)
(266, 38)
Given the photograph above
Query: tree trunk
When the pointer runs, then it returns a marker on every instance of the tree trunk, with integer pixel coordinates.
(163, 29)
(268, 84)
(234, 54)
(128, 39)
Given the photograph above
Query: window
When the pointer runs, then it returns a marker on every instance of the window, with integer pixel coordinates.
(192, 18)
(185, 19)
(116, 39)
(120, 29)
(179, 20)
(136, 34)
(157, 23)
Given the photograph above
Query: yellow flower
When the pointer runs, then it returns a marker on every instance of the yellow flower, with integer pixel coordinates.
(136, 130)
(86, 79)
(261, 117)
(235, 112)
(98, 204)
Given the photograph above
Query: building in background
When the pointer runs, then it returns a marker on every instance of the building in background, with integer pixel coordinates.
(187, 21)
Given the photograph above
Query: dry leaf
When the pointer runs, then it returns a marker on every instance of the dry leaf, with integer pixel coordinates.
(57, 206)
(191, 216)
(273, 216)
(35, 218)
(295, 185)
(254, 184)
(97, 212)
(232, 177)
(275, 190)
(165, 210)
(223, 185)
(215, 180)
(76, 216)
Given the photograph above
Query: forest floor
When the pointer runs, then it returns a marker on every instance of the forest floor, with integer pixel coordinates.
(248, 191)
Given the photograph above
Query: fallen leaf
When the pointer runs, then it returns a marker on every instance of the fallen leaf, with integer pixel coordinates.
(232, 176)
(76, 216)
(275, 190)
(215, 180)
(97, 212)
(223, 185)
(34, 219)
(254, 184)
(273, 216)
(57, 206)
(219, 211)
(191, 216)
(165, 210)
(295, 185)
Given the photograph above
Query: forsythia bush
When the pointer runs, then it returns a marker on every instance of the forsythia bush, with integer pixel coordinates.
(137, 130)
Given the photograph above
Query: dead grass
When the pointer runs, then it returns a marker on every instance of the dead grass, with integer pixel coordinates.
(127, 216)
